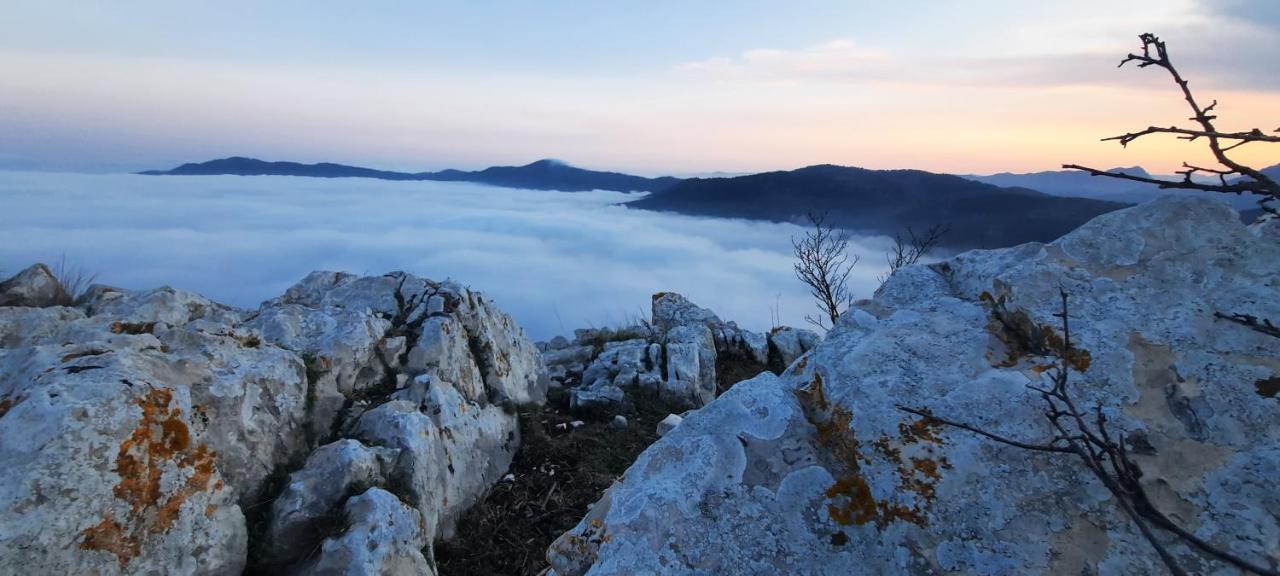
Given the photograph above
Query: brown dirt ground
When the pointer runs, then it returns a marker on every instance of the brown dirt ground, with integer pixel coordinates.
(559, 473)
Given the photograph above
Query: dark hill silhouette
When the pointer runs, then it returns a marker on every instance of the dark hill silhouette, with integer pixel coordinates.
(540, 175)
(885, 202)
(1083, 185)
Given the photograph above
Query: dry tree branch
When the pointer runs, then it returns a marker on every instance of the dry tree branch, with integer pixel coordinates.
(823, 264)
(1106, 455)
(1247, 179)
(908, 250)
(1262, 325)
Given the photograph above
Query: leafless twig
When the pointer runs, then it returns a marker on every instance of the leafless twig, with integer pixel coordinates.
(908, 250)
(1262, 325)
(1086, 434)
(823, 264)
(1234, 177)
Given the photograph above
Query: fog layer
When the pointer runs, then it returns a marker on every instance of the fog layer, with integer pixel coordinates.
(556, 261)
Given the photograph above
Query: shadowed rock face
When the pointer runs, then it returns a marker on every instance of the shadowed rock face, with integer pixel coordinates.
(817, 472)
(36, 286)
(139, 428)
(679, 354)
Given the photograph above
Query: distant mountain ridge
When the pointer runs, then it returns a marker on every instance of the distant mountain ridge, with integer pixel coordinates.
(540, 175)
(885, 202)
(1079, 184)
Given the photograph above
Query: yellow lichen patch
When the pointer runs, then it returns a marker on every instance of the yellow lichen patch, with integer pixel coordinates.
(853, 501)
(1022, 337)
(160, 443)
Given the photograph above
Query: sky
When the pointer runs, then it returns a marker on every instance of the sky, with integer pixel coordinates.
(652, 87)
(555, 261)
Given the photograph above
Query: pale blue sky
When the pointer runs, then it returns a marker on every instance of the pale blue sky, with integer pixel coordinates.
(643, 86)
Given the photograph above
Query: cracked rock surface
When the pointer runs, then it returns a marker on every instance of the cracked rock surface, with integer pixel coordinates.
(139, 429)
(817, 472)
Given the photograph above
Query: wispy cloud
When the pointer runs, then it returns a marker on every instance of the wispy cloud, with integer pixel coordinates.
(1226, 43)
(556, 261)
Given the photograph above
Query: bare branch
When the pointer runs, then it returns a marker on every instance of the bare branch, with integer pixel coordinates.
(1238, 187)
(929, 417)
(1104, 454)
(1188, 134)
(1249, 180)
(824, 265)
(907, 250)
(1262, 325)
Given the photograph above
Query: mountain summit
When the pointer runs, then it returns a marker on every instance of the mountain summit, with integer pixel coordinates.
(544, 174)
(885, 202)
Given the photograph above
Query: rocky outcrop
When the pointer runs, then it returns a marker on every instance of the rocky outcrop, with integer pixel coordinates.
(818, 471)
(679, 355)
(139, 428)
(36, 287)
(382, 536)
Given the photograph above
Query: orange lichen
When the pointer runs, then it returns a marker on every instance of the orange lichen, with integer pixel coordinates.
(922, 430)
(853, 499)
(1023, 337)
(161, 442)
(109, 536)
(859, 506)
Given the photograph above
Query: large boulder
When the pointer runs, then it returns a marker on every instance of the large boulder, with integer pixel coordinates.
(819, 472)
(35, 287)
(306, 509)
(449, 449)
(139, 428)
(383, 536)
(130, 443)
(108, 467)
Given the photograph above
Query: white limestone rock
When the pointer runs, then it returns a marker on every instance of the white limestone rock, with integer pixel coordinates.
(385, 537)
(788, 343)
(817, 472)
(135, 427)
(331, 474)
(161, 305)
(108, 467)
(669, 423)
(450, 449)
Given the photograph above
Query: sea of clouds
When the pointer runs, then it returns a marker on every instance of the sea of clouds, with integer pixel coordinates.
(556, 261)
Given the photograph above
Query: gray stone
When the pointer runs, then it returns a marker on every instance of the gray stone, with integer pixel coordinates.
(669, 423)
(603, 397)
(384, 536)
(331, 474)
(791, 343)
(35, 287)
(135, 427)
(817, 472)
